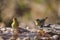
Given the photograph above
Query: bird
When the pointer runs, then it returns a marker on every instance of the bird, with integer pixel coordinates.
(15, 23)
(15, 26)
(40, 22)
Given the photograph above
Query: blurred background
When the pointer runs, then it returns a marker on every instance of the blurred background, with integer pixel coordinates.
(29, 10)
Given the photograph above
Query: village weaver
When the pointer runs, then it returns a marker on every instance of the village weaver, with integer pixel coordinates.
(15, 26)
(15, 23)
